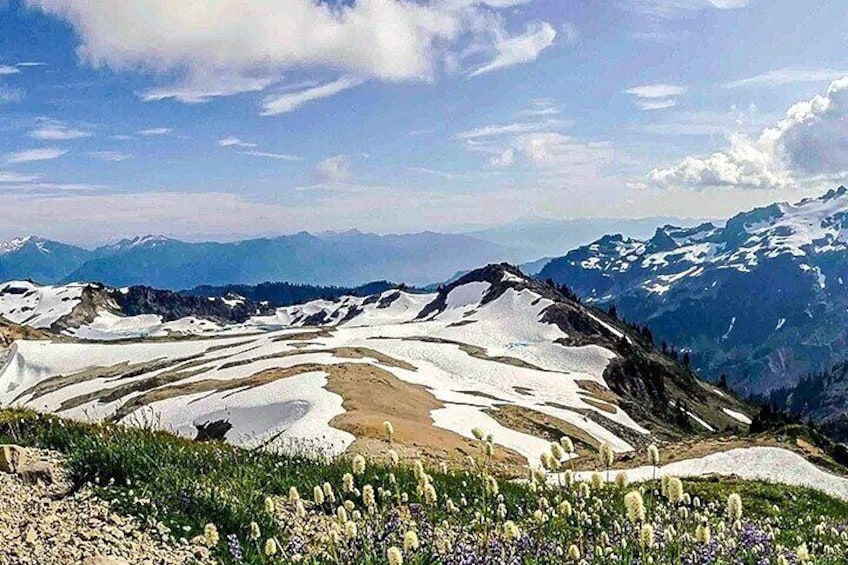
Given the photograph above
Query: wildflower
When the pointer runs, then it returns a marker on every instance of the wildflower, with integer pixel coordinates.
(734, 507)
(568, 477)
(567, 444)
(702, 533)
(621, 480)
(646, 536)
(347, 483)
(350, 530)
(368, 495)
(597, 481)
(539, 516)
(393, 457)
(429, 494)
(606, 455)
(674, 490)
(210, 534)
(255, 534)
(781, 560)
(653, 455)
(358, 465)
(389, 429)
(452, 509)
(585, 491)
(565, 508)
(318, 495)
(511, 531)
(477, 433)
(501, 511)
(803, 553)
(410, 541)
(574, 552)
(394, 556)
(341, 515)
(635, 506)
(299, 509)
(490, 449)
(270, 547)
(545, 459)
(491, 486)
(557, 451)
(328, 492)
(269, 505)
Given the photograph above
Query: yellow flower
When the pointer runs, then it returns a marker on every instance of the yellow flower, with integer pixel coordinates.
(477, 433)
(574, 552)
(492, 486)
(270, 547)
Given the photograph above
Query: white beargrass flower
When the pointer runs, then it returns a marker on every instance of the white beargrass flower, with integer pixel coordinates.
(635, 506)
(567, 444)
(557, 451)
(300, 509)
(492, 486)
(341, 515)
(511, 531)
(393, 457)
(269, 505)
(597, 481)
(606, 455)
(702, 533)
(646, 536)
(270, 547)
(389, 429)
(294, 495)
(565, 508)
(368, 495)
(410, 541)
(318, 495)
(734, 507)
(621, 480)
(674, 490)
(255, 533)
(394, 555)
(210, 534)
(653, 455)
(429, 494)
(350, 530)
(358, 465)
(803, 553)
(348, 483)
(574, 552)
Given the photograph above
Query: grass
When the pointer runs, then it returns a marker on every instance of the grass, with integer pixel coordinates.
(187, 485)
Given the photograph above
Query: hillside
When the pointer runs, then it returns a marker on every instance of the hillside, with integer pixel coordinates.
(761, 299)
(494, 350)
(39, 259)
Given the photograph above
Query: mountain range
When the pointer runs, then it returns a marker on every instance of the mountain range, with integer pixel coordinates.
(761, 299)
(346, 259)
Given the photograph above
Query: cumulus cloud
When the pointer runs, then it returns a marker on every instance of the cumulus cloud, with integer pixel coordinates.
(30, 155)
(550, 150)
(333, 169)
(811, 141)
(206, 49)
(523, 48)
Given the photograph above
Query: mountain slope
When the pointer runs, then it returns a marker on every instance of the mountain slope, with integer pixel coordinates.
(39, 259)
(493, 350)
(762, 299)
(347, 259)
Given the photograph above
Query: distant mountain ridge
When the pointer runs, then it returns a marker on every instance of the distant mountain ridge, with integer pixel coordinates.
(762, 299)
(337, 259)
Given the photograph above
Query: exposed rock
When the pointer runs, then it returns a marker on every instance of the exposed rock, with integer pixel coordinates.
(12, 457)
(33, 472)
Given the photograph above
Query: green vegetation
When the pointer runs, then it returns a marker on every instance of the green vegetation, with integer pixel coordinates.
(422, 516)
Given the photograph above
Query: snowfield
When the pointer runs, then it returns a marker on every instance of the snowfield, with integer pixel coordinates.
(472, 358)
(771, 464)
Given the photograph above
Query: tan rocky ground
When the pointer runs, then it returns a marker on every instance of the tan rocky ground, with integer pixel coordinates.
(46, 524)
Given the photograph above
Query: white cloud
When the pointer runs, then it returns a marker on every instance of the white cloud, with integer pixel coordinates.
(111, 156)
(551, 150)
(10, 95)
(226, 47)
(8, 70)
(30, 155)
(515, 50)
(656, 90)
(729, 4)
(155, 131)
(268, 155)
(811, 141)
(234, 142)
(333, 169)
(508, 129)
(9, 176)
(432, 172)
(788, 75)
(57, 131)
(656, 96)
(290, 101)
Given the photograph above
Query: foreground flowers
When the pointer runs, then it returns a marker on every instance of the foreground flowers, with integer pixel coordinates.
(397, 515)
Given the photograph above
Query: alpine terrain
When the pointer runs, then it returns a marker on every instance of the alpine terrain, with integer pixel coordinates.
(762, 299)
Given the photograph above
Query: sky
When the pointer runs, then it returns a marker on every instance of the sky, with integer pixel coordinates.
(224, 119)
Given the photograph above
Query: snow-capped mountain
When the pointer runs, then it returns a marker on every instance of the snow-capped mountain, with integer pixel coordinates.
(762, 298)
(39, 259)
(494, 350)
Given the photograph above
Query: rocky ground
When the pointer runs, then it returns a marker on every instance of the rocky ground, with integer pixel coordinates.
(42, 522)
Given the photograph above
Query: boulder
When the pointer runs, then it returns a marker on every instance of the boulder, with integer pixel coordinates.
(103, 560)
(34, 472)
(12, 457)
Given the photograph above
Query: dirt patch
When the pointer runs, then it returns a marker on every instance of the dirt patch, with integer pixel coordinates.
(373, 395)
(597, 390)
(608, 408)
(305, 335)
(537, 424)
(481, 395)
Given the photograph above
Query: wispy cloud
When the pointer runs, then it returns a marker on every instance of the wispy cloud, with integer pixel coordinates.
(9, 176)
(8, 70)
(283, 103)
(432, 172)
(519, 49)
(788, 75)
(656, 96)
(30, 155)
(57, 131)
(508, 129)
(333, 169)
(111, 156)
(268, 155)
(10, 95)
(235, 142)
(155, 131)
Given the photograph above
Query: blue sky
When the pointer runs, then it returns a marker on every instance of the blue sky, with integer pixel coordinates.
(226, 118)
